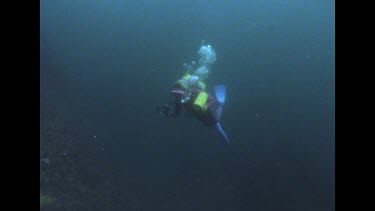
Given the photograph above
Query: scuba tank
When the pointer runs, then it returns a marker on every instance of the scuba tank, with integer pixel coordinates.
(200, 101)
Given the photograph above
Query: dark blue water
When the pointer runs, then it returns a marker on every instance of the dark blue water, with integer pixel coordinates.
(114, 61)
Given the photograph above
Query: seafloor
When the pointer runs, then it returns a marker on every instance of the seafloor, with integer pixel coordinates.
(74, 171)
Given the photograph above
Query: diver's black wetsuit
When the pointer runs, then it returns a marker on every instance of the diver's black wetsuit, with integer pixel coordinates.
(207, 117)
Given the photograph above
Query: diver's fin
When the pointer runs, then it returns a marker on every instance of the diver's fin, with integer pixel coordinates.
(220, 129)
(220, 93)
(218, 112)
(220, 96)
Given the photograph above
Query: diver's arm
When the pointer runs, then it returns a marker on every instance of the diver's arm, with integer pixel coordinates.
(175, 106)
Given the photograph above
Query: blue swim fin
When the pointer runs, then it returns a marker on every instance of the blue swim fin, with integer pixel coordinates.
(220, 129)
(220, 96)
(220, 93)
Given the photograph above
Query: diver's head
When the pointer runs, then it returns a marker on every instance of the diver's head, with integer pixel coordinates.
(186, 76)
(191, 79)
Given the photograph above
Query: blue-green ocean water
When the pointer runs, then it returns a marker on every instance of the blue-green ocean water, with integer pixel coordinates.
(114, 61)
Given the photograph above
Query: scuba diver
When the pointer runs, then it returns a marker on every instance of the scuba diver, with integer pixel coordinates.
(189, 95)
